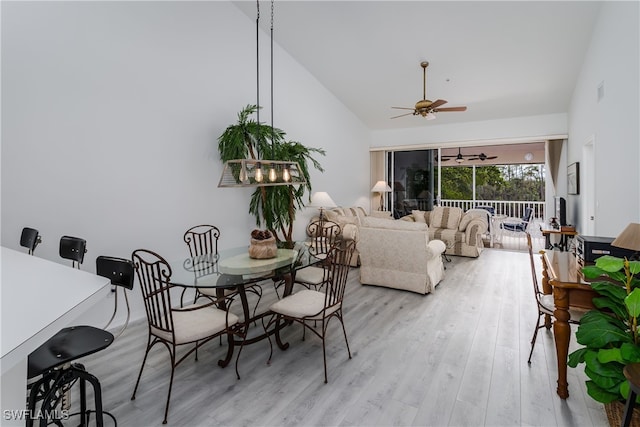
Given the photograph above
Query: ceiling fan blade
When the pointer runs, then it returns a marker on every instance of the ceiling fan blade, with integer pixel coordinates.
(401, 115)
(438, 110)
(474, 158)
(492, 157)
(404, 108)
(435, 104)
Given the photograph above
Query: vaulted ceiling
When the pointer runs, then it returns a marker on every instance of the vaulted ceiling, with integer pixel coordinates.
(501, 59)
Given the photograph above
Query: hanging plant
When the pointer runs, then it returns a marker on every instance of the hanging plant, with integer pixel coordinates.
(274, 207)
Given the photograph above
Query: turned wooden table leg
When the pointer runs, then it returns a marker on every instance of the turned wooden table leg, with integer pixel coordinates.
(562, 335)
(546, 289)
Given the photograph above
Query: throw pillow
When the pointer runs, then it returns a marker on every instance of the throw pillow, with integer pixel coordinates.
(418, 216)
(381, 214)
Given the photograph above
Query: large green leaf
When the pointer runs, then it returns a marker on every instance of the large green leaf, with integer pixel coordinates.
(630, 353)
(632, 301)
(611, 290)
(610, 263)
(600, 331)
(606, 355)
(599, 394)
(613, 305)
(577, 357)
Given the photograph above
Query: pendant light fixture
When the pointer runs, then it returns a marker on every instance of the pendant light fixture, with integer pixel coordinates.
(250, 172)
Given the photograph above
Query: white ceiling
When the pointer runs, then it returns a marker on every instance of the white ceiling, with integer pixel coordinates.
(501, 59)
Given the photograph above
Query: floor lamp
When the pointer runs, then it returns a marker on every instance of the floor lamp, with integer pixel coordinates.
(381, 187)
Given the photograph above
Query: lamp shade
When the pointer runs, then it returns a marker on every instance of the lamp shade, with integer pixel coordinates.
(629, 238)
(381, 187)
(321, 199)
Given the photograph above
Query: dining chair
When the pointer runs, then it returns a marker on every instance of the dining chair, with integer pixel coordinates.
(73, 248)
(203, 240)
(30, 238)
(544, 302)
(51, 373)
(307, 304)
(322, 236)
(171, 326)
(120, 272)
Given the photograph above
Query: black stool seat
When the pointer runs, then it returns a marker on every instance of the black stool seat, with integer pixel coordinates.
(52, 363)
(67, 345)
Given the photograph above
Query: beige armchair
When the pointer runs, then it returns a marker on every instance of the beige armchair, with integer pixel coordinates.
(399, 255)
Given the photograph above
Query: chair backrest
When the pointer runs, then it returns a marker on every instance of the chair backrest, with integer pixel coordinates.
(30, 238)
(154, 275)
(202, 239)
(534, 276)
(73, 248)
(119, 270)
(337, 265)
(528, 213)
(323, 234)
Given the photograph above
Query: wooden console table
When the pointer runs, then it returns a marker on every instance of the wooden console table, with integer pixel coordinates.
(561, 276)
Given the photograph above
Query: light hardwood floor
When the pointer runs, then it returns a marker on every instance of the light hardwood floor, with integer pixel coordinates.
(455, 357)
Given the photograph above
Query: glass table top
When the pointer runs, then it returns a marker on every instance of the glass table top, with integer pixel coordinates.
(232, 267)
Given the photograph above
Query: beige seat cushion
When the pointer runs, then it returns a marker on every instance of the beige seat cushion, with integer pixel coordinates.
(191, 326)
(306, 303)
(311, 274)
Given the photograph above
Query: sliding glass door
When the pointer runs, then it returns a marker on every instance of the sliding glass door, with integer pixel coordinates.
(413, 179)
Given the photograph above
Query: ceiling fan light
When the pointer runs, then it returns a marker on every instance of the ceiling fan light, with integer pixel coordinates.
(430, 116)
(459, 159)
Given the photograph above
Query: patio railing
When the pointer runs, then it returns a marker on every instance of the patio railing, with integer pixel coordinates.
(501, 207)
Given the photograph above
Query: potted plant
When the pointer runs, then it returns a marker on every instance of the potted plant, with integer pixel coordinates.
(609, 333)
(274, 207)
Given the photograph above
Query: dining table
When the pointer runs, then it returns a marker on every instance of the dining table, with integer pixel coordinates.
(234, 270)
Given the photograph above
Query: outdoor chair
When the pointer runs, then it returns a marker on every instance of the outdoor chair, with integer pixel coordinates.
(516, 227)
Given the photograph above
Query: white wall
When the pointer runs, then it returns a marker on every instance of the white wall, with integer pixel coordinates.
(110, 118)
(511, 129)
(612, 59)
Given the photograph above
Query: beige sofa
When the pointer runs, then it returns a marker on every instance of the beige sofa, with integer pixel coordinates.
(461, 231)
(399, 255)
(350, 220)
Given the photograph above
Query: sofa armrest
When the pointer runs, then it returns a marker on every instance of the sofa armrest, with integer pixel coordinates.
(435, 248)
(474, 231)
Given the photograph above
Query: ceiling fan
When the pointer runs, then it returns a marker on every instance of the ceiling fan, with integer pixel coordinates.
(425, 107)
(461, 157)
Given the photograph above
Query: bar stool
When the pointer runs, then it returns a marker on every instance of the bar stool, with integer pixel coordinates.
(121, 273)
(73, 248)
(631, 373)
(30, 238)
(51, 362)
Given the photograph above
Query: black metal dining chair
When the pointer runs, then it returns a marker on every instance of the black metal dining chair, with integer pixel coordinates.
(189, 326)
(312, 305)
(73, 248)
(30, 238)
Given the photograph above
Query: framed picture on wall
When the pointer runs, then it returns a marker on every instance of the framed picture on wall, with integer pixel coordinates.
(573, 178)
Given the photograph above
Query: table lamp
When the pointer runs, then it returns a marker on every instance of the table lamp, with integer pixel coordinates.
(381, 187)
(322, 200)
(629, 239)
